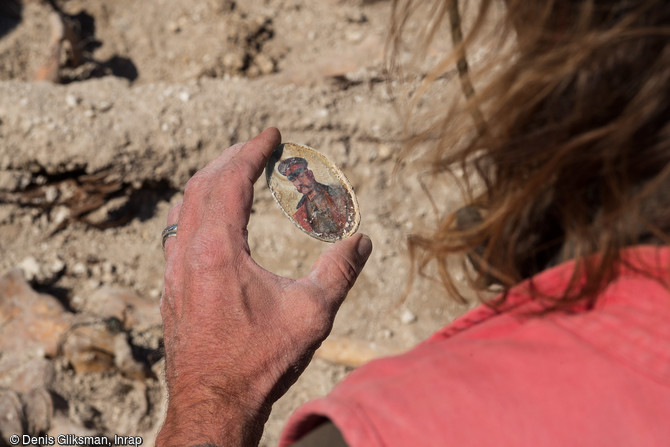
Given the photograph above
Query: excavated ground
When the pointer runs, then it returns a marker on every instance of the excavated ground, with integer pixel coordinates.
(90, 166)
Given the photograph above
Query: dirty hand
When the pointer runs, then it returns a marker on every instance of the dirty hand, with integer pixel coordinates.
(237, 336)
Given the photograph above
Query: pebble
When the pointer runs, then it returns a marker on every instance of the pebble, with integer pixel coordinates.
(407, 317)
(79, 269)
(11, 414)
(90, 349)
(30, 268)
(104, 106)
(385, 152)
(51, 193)
(29, 320)
(96, 348)
(125, 305)
(124, 360)
(25, 371)
(72, 100)
(354, 35)
(59, 214)
(264, 63)
(38, 409)
(233, 61)
(173, 27)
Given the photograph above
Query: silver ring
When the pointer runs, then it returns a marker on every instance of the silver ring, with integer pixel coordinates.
(169, 231)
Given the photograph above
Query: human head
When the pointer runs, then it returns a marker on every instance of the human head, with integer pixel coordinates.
(295, 170)
(571, 155)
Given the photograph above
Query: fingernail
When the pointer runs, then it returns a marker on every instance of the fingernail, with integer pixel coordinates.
(364, 247)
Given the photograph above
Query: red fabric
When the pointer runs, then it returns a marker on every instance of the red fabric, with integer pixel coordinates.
(300, 216)
(587, 378)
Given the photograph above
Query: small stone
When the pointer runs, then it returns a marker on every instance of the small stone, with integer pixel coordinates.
(123, 359)
(51, 194)
(354, 35)
(9, 181)
(104, 106)
(30, 268)
(385, 152)
(407, 317)
(77, 302)
(25, 371)
(265, 64)
(173, 27)
(184, 96)
(38, 409)
(90, 349)
(11, 414)
(233, 62)
(96, 271)
(59, 215)
(110, 210)
(63, 424)
(29, 320)
(79, 269)
(57, 266)
(125, 305)
(72, 100)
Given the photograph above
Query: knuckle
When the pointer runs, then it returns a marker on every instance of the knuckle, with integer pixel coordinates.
(205, 255)
(348, 270)
(195, 184)
(174, 210)
(233, 169)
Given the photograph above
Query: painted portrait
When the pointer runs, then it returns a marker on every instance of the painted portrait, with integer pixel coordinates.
(312, 192)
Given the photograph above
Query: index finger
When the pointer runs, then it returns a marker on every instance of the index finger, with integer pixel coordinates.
(257, 151)
(253, 156)
(234, 180)
(219, 198)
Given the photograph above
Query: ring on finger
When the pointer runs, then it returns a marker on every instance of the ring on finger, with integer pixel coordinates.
(169, 231)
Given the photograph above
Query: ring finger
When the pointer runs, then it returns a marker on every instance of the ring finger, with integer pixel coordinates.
(170, 240)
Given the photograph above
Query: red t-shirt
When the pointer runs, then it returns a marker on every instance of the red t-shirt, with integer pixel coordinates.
(585, 378)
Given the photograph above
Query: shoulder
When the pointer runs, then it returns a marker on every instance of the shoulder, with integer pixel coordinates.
(517, 378)
(334, 190)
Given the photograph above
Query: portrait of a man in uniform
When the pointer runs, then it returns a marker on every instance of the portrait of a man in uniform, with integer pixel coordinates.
(323, 209)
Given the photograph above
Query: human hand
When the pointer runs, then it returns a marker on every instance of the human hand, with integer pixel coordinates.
(237, 336)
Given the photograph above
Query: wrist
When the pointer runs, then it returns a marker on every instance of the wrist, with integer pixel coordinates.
(199, 415)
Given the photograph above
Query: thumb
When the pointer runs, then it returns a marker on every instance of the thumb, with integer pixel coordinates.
(336, 270)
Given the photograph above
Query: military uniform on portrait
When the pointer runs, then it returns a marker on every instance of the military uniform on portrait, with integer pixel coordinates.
(323, 209)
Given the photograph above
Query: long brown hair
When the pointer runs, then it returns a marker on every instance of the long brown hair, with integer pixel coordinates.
(562, 145)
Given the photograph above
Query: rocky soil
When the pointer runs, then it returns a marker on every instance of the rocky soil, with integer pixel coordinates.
(90, 165)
